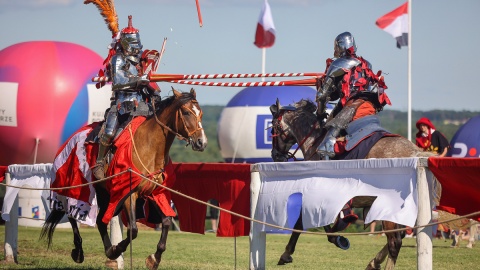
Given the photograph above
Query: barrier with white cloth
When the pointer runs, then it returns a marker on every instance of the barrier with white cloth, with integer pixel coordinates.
(37, 176)
(400, 185)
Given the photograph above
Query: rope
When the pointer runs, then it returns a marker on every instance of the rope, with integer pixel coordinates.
(251, 219)
(70, 187)
(135, 150)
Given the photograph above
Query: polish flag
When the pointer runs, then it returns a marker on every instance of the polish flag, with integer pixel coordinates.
(265, 34)
(396, 24)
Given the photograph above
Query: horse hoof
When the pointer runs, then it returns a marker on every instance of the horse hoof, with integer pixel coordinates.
(151, 262)
(342, 242)
(372, 266)
(111, 264)
(77, 255)
(113, 253)
(284, 259)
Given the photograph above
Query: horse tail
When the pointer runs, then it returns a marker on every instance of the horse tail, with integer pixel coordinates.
(50, 224)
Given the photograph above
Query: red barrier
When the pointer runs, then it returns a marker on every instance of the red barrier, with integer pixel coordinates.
(460, 179)
(228, 183)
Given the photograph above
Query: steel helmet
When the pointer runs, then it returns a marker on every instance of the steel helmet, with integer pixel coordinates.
(130, 39)
(344, 43)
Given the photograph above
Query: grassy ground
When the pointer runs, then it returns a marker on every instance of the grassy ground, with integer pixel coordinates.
(193, 251)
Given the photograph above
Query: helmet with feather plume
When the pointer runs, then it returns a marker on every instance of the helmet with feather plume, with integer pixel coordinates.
(107, 10)
(130, 39)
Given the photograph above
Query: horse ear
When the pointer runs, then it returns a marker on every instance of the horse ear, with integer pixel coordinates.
(175, 92)
(278, 104)
(192, 91)
(275, 107)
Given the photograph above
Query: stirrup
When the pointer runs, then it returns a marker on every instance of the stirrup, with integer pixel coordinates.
(327, 149)
(98, 170)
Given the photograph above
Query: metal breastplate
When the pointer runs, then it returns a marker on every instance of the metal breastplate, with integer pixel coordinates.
(123, 73)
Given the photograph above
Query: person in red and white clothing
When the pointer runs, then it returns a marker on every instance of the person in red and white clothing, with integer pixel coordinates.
(430, 139)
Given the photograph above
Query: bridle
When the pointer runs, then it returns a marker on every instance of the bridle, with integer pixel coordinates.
(179, 117)
(278, 132)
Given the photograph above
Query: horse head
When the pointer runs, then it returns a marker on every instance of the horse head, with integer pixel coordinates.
(181, 115)
(282, 137)
(188, 120)
(293, 124)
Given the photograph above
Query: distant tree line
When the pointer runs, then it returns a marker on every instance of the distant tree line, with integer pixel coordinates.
(446, 121)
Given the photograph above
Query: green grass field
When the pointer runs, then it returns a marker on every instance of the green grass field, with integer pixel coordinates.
(193, 251)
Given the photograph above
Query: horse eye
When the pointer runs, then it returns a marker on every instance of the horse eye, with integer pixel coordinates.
(186, 113)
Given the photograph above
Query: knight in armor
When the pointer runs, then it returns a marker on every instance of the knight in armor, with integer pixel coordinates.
(348, 77)
(132, 92)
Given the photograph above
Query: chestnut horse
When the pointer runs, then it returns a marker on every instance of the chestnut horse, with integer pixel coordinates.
(176, 116)
(300, 125)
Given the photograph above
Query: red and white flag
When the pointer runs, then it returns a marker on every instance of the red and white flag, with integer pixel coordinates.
(396, 24)
(265, 34)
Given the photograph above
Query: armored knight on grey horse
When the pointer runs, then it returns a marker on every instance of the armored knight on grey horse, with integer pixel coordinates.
(349, 77)
(132, 92)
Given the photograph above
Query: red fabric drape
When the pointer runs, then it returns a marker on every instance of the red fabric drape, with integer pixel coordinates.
(3, 170)
(119, 186)
(228, 183)
(460, 179)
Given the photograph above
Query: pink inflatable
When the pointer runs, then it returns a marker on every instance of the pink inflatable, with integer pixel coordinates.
(43, 97)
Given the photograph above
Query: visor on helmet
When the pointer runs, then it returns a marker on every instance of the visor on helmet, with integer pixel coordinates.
(131, 44)
(344, 43)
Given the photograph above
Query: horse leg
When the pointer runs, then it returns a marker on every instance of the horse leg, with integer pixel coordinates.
(286, 257)
(153, 260)
(103, 197)
(394, 242)
(375, 263)
(129, 207)
(77, 252)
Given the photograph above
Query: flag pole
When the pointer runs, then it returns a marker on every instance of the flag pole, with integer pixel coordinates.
(409, 70)
(264, 56)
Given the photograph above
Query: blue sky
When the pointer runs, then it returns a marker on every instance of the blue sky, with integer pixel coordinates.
(445, 41)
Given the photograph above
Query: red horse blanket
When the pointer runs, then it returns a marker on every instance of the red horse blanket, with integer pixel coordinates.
(72, 167)
(119, 186)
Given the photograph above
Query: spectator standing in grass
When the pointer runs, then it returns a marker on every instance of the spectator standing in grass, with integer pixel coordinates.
(213, 215)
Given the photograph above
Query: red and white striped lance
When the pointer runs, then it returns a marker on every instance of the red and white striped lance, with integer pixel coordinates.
(306, 82)
(101, 79)
(181, 77)
(166, 77)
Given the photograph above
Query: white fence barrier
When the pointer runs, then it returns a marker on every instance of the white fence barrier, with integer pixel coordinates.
(401, 185)
(34, 176)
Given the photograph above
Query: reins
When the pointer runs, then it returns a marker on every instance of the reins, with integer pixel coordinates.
(179, 115)
(290, 155)
(178, 135)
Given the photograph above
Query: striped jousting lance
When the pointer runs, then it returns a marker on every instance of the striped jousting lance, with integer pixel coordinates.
(306, 82)
(174, 78)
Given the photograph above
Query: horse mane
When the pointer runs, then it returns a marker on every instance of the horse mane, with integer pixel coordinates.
(173, 100)
(305, 115)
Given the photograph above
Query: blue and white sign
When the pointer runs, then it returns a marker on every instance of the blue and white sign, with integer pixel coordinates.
(244, 132)
(466, 141)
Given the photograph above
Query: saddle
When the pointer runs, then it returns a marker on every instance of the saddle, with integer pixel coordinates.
(362, 134)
